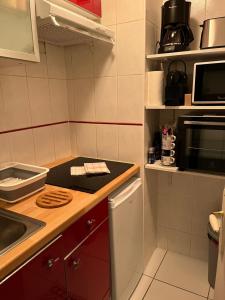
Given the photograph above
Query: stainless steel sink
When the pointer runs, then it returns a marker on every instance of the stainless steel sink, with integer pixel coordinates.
(15, 228)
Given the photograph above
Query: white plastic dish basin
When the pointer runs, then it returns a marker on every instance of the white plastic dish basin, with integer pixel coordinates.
(18, 181)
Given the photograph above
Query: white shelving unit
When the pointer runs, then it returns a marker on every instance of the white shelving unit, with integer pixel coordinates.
(191, 55)
(157, 166)
(188, 55)
(162, 107)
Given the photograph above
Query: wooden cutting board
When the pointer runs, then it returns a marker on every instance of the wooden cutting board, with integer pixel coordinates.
(54, 199)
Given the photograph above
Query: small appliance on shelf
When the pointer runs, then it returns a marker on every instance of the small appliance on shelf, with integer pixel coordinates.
(176, 34)
(208, 83)
(200, 143)
(213, 33)
(176, 84)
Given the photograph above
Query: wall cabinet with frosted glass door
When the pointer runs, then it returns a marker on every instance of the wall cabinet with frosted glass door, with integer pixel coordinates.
(18, 30)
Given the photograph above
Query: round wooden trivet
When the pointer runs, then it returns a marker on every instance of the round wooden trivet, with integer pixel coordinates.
(54, 199)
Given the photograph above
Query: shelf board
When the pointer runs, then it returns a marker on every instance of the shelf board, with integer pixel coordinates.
(157, 166)
(160, 107)
(191, 54)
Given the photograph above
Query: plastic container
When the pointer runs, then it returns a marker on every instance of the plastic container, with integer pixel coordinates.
(18, 181)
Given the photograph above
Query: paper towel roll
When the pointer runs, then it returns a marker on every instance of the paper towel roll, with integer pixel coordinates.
(155, 83)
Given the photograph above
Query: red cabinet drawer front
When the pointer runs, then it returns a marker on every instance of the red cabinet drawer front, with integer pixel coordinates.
(107, 296)
(47, 270)
(94, 6)
(84, 226)
(88, 268)
(41, 278)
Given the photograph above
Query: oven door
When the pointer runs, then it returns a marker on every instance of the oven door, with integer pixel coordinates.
(204, 149)
(208, 83)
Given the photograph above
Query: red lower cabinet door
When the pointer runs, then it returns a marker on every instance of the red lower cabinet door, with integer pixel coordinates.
(94, 6)
(88, 267)
(42, 278)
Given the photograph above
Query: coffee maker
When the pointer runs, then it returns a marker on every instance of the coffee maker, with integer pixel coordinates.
(176, 34)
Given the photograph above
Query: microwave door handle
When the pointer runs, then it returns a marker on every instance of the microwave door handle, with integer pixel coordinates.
(204, 123)
(213, 116)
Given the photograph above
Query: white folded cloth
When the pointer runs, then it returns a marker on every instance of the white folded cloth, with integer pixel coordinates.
(96, 168)
(90, 169)
(77, 171)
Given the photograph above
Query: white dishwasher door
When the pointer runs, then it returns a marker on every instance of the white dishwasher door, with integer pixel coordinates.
(126, 238)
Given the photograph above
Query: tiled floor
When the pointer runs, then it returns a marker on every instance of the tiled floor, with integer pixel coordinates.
(171, 276)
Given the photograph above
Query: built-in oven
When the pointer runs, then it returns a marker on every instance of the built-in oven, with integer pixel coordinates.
(208, 83)
(201, 143)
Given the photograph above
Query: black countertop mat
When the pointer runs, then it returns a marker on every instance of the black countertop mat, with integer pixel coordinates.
(60, 175)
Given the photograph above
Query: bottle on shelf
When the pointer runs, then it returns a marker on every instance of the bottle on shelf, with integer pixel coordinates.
(151, 155)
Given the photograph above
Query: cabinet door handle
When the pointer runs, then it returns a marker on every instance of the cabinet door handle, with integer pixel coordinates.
(52, 261)
(76, 263)
(91, 223)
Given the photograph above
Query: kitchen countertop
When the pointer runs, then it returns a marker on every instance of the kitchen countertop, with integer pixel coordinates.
(56, 219)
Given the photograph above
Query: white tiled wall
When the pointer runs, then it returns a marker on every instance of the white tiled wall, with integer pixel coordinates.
(130, 93)
(214, 8)
(44, 144)
(21, 146)
(130, 41)
(105, 95)
(184, 204)
(106, 84)
(108, 147)
(33, 94)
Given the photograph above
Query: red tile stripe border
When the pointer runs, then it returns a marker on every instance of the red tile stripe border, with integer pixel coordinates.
(33, 127)
(73, 122)
(106, 123)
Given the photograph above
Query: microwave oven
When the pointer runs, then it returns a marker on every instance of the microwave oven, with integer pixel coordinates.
(208, 83)
(200, 144)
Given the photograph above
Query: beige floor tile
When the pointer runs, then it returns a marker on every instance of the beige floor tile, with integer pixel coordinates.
(154, 262)
(184, 272)
(162, 291)
(142, 288)
(211, 294)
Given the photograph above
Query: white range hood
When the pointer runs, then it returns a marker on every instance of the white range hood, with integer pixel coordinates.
(60, 23)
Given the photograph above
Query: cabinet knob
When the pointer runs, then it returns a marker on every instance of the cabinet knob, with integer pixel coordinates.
(91, 223)
(52, 261)
(76, 263)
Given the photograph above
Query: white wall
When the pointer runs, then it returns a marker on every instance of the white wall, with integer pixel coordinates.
(184, 204)
(106, 85)
(34, 94)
